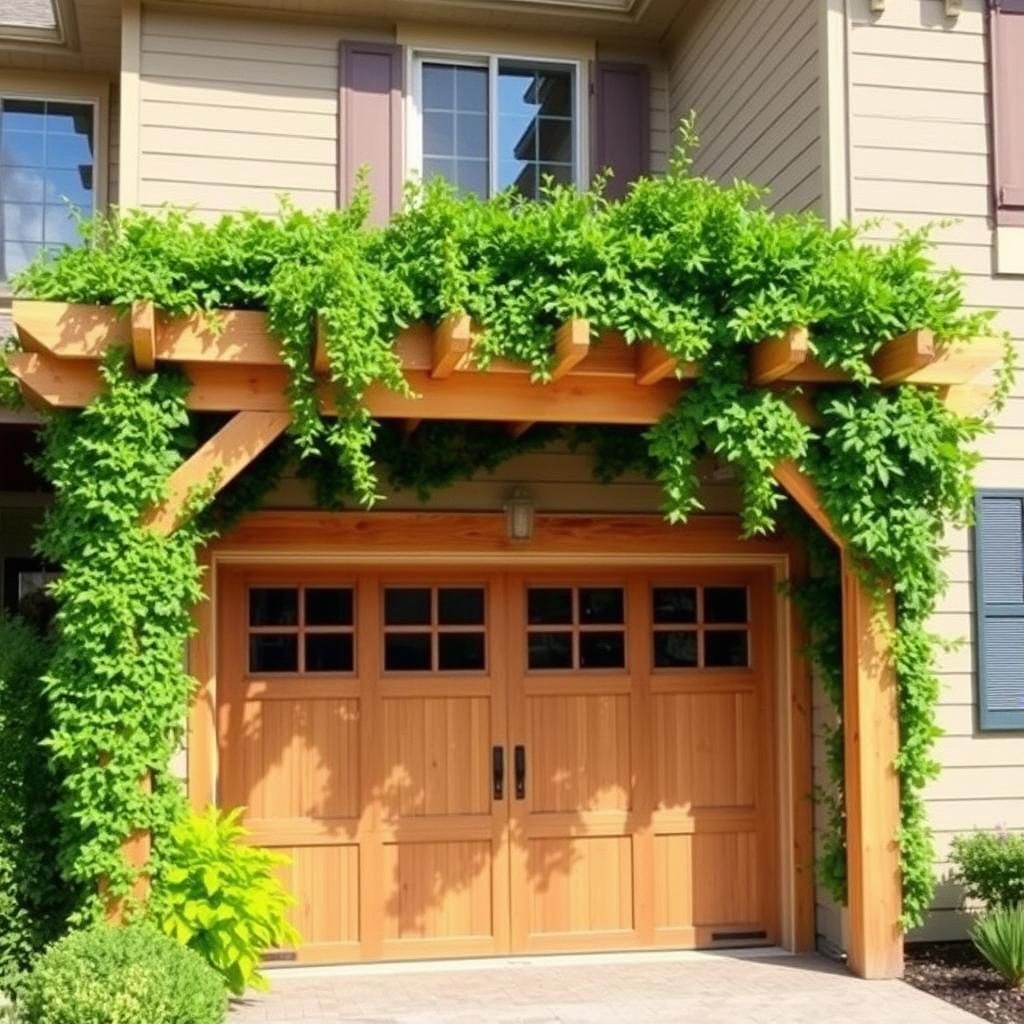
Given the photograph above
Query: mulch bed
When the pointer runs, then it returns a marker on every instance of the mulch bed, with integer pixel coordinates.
(959, 974)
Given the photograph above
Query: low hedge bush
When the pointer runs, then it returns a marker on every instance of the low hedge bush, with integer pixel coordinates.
(990, 867)
(130, 975)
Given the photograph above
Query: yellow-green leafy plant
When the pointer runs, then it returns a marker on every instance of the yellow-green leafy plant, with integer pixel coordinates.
(221, 897)
(999, 936)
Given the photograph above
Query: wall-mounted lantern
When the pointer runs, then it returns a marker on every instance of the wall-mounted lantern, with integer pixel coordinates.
(519, 516)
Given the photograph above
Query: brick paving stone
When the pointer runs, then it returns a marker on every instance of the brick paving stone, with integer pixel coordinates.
(633, 989)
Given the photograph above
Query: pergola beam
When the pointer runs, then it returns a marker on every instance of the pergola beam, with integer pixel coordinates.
(572, 346)
(453, 341)
(653, 363)
(217, 463)
(144, 336)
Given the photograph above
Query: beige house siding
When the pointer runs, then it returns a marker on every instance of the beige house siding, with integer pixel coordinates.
(919, 151)
(752, 73)
(234, 113)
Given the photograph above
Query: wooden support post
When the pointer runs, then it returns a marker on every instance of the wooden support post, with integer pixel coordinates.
(871, 745)
(572, 344)
(653, 363)
(144, 336)
(218, 461)
(135, 850)
(453, 340)
(871, 740)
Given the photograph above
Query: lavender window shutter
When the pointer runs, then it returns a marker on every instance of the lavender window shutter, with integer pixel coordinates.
(370, 124)
(1007, 60)
(620, 118)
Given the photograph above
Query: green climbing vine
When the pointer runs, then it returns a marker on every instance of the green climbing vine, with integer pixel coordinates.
(706, 270)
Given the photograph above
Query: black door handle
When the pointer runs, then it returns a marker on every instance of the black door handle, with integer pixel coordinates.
(520, 758)
(498, 772)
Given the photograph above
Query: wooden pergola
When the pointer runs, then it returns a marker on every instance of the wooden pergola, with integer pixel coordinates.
(234, 365)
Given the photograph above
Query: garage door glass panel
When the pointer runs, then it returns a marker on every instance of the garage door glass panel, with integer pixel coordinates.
(273, 606)
(601, 606)
(407, 606)
(460, 652)
(725, 648)
(460, 606)
(725, 605)
(549, 606)
(274, 652)
(328, 606)
(675, 604)
(407, 652)
(674, 648)
(602, 650)
(329, 652)
(550, 650)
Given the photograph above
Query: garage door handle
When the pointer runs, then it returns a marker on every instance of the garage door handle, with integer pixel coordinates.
(520, 757)
(498, 772)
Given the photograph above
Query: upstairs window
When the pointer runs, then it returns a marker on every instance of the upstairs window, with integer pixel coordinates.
(47, 166)
(490, 123)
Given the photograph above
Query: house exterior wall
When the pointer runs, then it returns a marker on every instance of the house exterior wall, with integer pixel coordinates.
(917, 89)
(752, 74)
(234, 112)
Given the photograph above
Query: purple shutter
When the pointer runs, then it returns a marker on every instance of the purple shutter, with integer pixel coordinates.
(1007, 60)
(370, 124)
(620, 117)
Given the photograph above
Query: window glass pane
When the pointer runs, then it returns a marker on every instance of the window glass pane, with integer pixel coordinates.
(460, 606)
(23, 149)
(273, 652)
(18, 255)
(675, 604)
(549, 650)
(520, 176)
(547, 606)
(59, 227)
(328, 606)
(725, 604)
(726, 648)
(554, 141)
(68, 151)
(273, 606)
(517, 138)
(603, 650)
(69, 118)
(439, 167)
(470, 135)
(553, 91)
(407, 652)
(63, 187)
(601, 605)
(472, 178)
(24, 221)
(675, 649)
(438, 134)
(407, 606)
(329, 652)
(438, 87)
(460, 652)
(471, 90)
(24, 115)
(516, 93)
(553, 174)
(22, 185)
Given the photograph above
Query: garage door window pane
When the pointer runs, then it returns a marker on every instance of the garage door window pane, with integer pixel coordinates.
(675, 604)
(407, 652)
(407, 606)
(725, 648)
(460, 652)
(725, 604)
(601, 606)
(329, 652)
(602, 650)
(550, 650)
(460, 606)
(328, 606)
(548, 606)
(273, 652)
(273, 606)
(675, 649)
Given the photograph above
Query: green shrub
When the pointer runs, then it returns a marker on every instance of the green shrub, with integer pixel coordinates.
(33, 900)
(131, 975)
(221, 897)
(999, 936)
(990, 867)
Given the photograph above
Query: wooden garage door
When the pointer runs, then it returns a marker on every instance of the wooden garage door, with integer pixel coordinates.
(485, 763)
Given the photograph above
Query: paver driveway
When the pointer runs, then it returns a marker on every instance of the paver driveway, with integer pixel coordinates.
(688, 988)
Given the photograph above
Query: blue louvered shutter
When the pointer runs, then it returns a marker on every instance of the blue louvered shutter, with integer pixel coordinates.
(999, 597)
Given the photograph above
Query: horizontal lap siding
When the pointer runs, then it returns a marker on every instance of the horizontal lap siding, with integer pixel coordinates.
(236, 112)
(557, 480)
(920, 151)
(751, 72)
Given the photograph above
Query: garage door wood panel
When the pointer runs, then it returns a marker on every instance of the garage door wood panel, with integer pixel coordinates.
(640, 710)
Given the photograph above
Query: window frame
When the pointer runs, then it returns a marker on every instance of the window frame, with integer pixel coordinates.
(56, 88)
(491, 59)
(999, 721)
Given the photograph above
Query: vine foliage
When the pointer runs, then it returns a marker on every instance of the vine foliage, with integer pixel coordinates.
(706, 270)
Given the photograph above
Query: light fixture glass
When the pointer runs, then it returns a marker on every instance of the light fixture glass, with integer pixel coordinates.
(519, 515)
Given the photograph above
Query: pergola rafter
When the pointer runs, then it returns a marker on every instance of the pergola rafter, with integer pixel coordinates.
(234, 364)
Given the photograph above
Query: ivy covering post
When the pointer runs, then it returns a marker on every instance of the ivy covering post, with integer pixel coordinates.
(705, 271)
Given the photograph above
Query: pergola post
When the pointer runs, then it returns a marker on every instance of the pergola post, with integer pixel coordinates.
(871, 739)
